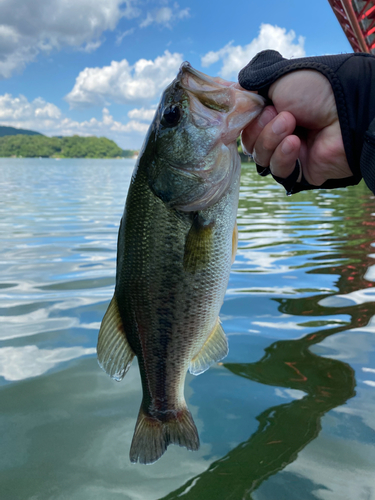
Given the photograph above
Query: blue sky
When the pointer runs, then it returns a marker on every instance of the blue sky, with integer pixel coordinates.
(98, 67)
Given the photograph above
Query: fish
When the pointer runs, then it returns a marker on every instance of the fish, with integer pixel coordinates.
(176, 244)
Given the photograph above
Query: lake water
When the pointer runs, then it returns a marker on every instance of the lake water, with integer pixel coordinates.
(289, 414)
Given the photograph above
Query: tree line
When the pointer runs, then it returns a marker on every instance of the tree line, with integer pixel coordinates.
(36, 146)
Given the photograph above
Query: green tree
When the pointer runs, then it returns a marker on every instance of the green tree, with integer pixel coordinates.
(60, 147)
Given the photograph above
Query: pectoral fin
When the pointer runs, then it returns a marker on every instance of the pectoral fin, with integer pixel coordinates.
(114, 352)
(198, 245)
(214, 349)
(234, 242)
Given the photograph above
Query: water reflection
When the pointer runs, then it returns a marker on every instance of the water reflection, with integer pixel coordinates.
(18, 363)
(283, 418)
(318, 384)
(283, 430)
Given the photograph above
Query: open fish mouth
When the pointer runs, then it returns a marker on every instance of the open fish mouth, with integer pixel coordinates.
(210, 92)
(186, 67)
(214, 100)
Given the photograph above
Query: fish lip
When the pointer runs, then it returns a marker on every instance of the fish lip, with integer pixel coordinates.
(187, 67)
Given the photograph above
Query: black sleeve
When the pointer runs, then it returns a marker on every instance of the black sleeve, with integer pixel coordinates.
(352, 78)
(368, 157)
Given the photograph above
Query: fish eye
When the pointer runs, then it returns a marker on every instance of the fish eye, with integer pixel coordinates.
(171, 116)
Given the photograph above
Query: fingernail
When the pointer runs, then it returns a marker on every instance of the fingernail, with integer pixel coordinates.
(246, 152)
(287, 148)
(279, 126)
(265, 117)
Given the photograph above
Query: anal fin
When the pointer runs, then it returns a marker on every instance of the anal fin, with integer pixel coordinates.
(114, 352)
(214, 349)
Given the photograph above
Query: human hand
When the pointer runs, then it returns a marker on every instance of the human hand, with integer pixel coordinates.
(302, 99)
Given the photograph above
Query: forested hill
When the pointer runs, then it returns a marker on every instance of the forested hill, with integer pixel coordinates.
(16, 131)
(34, 146)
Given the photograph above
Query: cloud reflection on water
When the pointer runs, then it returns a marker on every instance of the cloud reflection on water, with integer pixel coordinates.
(19, 363)
(67, 433)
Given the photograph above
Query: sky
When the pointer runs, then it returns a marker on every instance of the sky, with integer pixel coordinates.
(98, 67)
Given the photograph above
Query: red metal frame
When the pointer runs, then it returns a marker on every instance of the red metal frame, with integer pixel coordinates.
(357, 19)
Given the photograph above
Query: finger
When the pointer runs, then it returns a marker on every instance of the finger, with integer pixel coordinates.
(283, 160)
(252, 131)
(271, 136)
(308, 95)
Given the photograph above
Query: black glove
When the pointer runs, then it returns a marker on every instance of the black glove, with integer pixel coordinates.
(352, 78)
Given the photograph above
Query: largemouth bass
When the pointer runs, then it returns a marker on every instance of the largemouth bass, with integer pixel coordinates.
(176, 243)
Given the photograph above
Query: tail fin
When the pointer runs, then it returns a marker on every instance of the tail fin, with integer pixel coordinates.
(152, 437)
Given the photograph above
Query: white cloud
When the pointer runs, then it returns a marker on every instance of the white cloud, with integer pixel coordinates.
(121, 36)
(235, 58)
(122, 83)
(19, 110)
(48, 119)
(165, 16)
(107, 126)
(30, 28)
(143, 114)
(91, 46)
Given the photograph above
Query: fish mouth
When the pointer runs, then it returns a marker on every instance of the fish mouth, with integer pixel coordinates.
(216, 81)
(215, 101)
(212, 92)
(186, 67)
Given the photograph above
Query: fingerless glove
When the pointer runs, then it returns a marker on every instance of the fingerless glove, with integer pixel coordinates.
(352, 78)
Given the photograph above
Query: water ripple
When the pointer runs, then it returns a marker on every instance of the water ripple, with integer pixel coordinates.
(299, 313)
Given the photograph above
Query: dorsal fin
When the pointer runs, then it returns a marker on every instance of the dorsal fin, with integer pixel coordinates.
(114, 352)
(214, 349)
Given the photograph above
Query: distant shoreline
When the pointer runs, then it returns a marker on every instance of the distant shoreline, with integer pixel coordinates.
(40, 146)
(65, 158)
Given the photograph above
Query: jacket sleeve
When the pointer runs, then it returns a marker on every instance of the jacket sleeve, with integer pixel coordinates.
(352, 78)
(368, 157)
